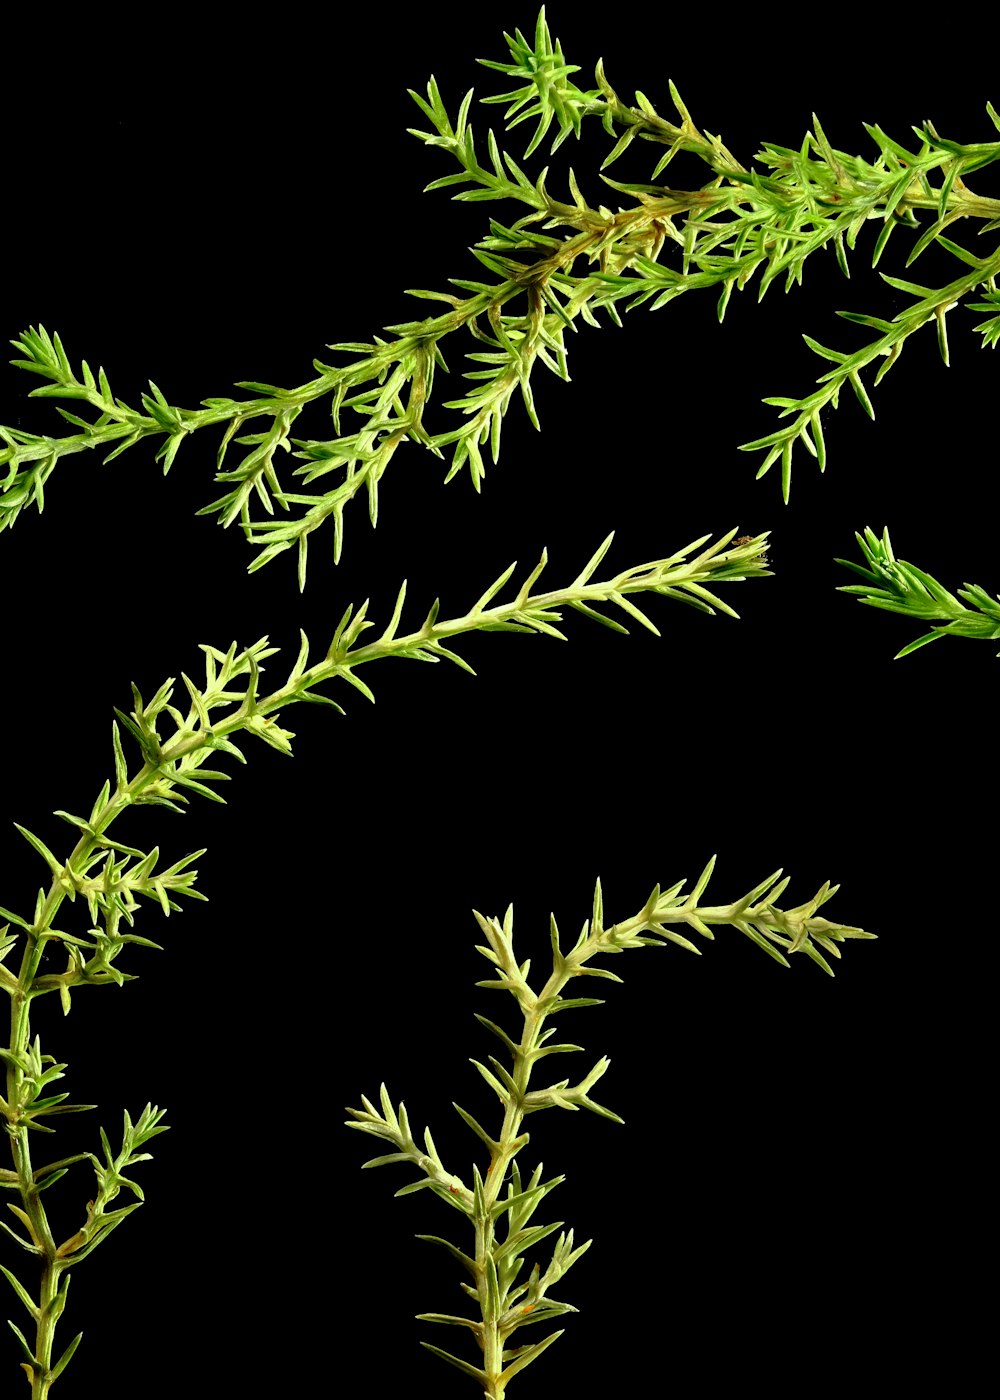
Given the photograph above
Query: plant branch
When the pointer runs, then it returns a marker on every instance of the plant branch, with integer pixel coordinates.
(505, 1305)
(113, 877)
(897, 586)
(721, 235)
(173, 767)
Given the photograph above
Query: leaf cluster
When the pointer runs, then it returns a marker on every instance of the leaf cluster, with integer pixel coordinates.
(496, 1264)
(542, 283)
(100, 1222)
(897, 586)
(175, 745)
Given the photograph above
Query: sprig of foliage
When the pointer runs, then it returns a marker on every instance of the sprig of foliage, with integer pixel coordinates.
(898, 586)
(506, 1305)
(932, 306)
(813, 197)
(113, 877)
(739, 225)
(173, 764)
(57, 1260)
(546, 88)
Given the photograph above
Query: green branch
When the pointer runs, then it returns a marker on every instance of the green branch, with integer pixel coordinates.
(506, 1304)
(896, 586)
(662, 243)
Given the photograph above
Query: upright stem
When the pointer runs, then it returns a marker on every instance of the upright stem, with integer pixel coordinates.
(52, 1299)
(510, 1142)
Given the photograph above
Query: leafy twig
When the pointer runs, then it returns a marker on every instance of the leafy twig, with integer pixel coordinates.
(172, 767)
(505, 1304)
(739, 225)
(897, 586)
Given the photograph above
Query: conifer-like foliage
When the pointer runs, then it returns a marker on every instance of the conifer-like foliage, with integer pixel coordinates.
(506, 1300)
(557, 267)
(562, 265)
(894, 585)
(111, 879)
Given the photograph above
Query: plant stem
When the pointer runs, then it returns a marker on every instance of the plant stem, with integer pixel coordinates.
(675, 576)
(503, 1302)
(52, 1298)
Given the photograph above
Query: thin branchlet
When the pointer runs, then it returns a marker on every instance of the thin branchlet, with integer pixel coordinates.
(507, 1300)
(174, 764)
(545, 273)
(894, 585)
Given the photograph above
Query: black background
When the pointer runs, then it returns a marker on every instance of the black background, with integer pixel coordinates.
(211, 205)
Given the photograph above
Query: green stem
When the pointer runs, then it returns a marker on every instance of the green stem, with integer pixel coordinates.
(125, 421)
(670, 576)
(51, 1298)
(510, 1142)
